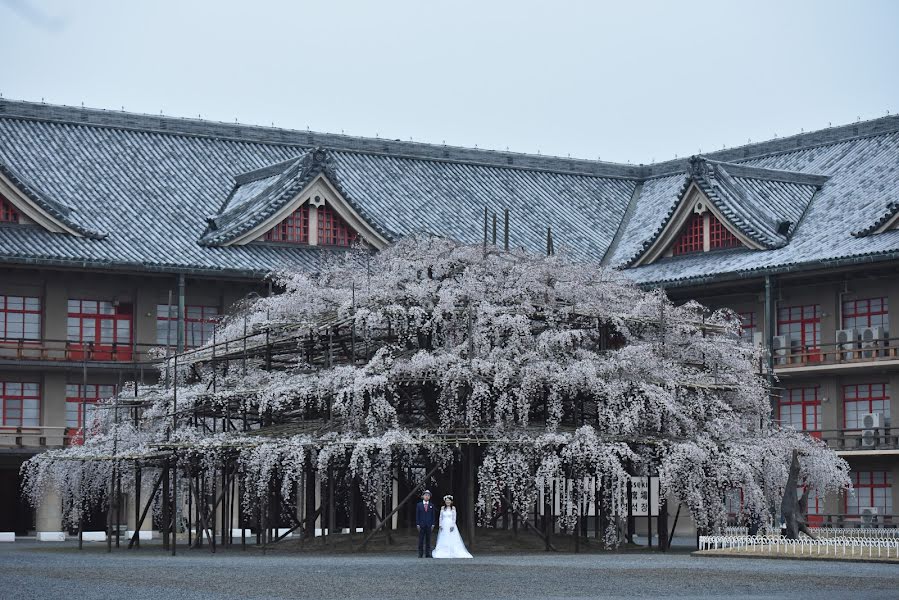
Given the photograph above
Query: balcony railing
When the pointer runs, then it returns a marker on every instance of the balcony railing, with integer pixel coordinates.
(75, 351)
(883, 438)
(35, 437)
(845, 353)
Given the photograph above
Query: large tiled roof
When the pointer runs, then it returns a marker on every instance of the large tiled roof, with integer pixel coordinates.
(165, 194)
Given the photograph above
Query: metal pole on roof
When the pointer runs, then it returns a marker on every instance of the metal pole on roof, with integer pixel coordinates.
(506, 231)
(494, 229)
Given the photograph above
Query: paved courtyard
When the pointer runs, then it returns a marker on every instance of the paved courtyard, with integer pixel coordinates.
(29, 570)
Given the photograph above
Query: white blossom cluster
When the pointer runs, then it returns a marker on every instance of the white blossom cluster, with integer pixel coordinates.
(567, 370)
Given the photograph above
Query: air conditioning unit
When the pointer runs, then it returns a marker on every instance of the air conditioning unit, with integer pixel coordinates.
(758, 339)
(847, 342)
(780, 346)
(872, 421)
(872, 338)
(868, 514)
(869, 438)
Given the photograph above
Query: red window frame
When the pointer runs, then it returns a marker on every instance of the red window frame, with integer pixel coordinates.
(198, 323)
(333, 230)
(803, 324)
(78, 395)
(13, 397)
(869, 488)
(864, 398)
(747, 325)
(692, 239)
(294, 229)
(18, 312)
(866, 312)
(89, 325)
(8, 212)
(720, 237)
(807, 400)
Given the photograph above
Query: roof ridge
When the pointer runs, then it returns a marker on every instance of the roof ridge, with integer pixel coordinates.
(163, 124)
(793, 143)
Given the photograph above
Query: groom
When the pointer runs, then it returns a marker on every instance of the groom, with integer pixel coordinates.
(425, 520)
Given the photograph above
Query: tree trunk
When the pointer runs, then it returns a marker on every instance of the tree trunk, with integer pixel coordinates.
(792, 508)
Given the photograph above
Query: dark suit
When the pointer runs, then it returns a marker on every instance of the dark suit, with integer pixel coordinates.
(425, 520)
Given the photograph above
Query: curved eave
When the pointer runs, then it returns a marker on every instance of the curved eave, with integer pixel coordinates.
(887, 221)
(43, 212)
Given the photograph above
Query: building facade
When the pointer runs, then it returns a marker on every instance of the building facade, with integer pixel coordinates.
(118, 231)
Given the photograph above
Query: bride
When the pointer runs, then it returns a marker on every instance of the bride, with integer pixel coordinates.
(449, 542)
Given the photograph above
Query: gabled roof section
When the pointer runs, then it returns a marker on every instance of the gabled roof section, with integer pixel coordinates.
(888, 220)
(759, 206)
(264, 197)
(37, 207)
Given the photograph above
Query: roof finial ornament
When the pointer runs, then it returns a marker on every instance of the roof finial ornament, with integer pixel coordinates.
(696, 166)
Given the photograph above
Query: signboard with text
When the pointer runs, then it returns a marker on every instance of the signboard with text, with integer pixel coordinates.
(644, 492)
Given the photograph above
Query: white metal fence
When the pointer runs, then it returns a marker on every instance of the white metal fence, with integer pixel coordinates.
(856, 532)
(883, 547)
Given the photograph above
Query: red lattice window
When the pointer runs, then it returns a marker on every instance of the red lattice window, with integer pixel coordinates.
(869, 312)
(99, 328)
(332, 230)
(747, 325)
(81, 398)
(870, 488)
(8, 212)
(20, 318)
(691, 240)
(800, 408)
(863, 398)
(20, 404)
(803, 325)
(720, 236)
(293, 229)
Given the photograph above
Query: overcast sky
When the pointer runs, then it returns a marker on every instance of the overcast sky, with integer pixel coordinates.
(624, 81)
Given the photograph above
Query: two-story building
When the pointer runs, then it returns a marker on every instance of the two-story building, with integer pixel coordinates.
(117, 231)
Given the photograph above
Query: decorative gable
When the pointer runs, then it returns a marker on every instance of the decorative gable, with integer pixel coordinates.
(314, 223)
(296, 202)
(888, 221)
(726, 205)
(23, 203)
(8, 212)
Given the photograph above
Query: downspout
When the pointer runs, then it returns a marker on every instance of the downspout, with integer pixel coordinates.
(180, 313)
(769, 340)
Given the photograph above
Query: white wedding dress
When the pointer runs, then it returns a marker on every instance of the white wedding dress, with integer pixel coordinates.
(449, 542)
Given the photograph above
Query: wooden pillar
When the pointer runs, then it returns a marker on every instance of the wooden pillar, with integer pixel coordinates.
(469, 509)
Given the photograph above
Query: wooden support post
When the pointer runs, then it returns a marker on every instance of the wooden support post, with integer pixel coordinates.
(470, 508)
(166, 515)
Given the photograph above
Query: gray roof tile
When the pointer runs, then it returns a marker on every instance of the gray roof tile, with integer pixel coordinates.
(150, 184)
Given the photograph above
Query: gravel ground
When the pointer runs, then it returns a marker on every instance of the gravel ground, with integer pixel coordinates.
(48, 571)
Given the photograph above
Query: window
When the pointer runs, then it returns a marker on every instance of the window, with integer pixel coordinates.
(870, 488)
(20, 318)
(800, 408)
(803, 325)
(80, 398)
(870, 312)
(747, 325)
(100, 328)
(8, 212)
(21, 404)
(692, 239)
(294, 229)
(199, 321)
(864, 398)
(720, 236)
(332, 230)
(815, 505)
